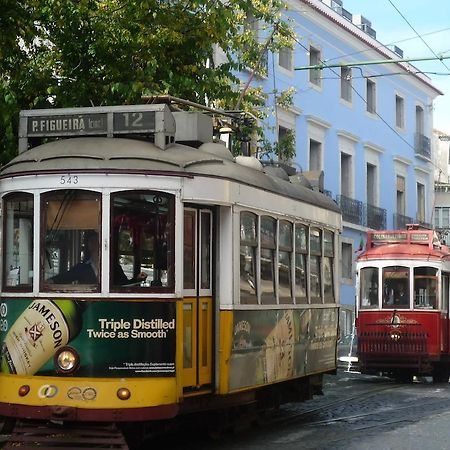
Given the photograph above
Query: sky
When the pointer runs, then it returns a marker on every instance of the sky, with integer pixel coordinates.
(400, 22)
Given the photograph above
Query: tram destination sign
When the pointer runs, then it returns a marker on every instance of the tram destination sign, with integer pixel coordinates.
(417, 237)
(389, 237)
(91, 123)
(68, 124)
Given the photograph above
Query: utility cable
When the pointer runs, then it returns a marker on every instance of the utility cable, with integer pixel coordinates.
(418, 35)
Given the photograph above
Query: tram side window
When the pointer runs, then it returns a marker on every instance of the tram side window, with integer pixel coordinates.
(71, 229)
(189, 249)
(285, 262)
(328, 264)
(18, 242)
(425, 288)
(142, 253)
(268, 251)
(248, 248)
(205, 248)
(396, 287)
(315, 240)
(368, 288)
(301, 254)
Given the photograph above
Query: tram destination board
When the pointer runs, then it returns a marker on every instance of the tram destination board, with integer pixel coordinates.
(91, 123)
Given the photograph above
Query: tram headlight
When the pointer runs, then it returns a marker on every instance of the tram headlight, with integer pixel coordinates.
(66, 360)
(123, 393)
(395, 336)
(24, 390)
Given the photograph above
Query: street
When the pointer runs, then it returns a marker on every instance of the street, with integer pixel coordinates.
(356, 412)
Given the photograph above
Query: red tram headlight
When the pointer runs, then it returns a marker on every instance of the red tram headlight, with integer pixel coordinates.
(66, 360)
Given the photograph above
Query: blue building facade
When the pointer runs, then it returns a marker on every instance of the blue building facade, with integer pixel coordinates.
(368, 127)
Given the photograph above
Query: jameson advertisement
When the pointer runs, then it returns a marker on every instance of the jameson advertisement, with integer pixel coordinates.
(113, 339)
(276, 345)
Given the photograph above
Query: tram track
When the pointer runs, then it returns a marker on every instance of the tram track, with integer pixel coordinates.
(372, 416)
(291, 417)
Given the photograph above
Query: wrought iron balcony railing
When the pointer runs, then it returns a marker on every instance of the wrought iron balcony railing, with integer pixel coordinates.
(352, 210)
(400, 221)
(422, 145)
(375, 217)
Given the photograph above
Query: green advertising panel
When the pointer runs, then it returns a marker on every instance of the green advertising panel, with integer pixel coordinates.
(112, 339)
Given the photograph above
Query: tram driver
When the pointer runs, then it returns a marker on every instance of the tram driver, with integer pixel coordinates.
(396, 295)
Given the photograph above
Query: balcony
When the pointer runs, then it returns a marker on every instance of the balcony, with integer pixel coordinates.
(359, 213)
(400, 221)
(352, 210)
(422, 145)
(376, 217)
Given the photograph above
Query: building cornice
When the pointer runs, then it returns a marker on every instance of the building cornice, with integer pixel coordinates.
(347, 135)
(401, 160)
(317, 121)
(373, 147)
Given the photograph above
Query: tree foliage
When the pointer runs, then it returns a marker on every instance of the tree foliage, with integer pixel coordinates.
(68, 53)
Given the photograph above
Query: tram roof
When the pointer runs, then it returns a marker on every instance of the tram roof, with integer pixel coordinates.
(123, 155)
(405, 251)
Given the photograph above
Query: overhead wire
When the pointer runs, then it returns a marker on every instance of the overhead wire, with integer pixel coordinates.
(418, 35)
(391, 43)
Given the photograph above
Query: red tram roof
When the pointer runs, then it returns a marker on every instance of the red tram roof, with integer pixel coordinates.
(414, 243)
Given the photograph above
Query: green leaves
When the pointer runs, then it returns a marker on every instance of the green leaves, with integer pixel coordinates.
(66, 53)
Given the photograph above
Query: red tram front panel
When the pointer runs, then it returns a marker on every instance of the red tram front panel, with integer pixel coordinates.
(399, 339)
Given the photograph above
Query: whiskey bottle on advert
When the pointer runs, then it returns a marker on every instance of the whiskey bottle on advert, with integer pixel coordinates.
(38, 332)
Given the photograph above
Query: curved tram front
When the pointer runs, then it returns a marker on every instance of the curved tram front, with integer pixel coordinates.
(403, 304)
(147, 275)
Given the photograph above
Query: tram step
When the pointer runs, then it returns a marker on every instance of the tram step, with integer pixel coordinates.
(73, 436)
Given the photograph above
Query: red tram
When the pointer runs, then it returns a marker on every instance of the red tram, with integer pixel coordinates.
(403, 303)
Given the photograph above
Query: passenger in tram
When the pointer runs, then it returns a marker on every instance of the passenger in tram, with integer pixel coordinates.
(120, 279)
(395, 295)
(402, 297)
(86, 271)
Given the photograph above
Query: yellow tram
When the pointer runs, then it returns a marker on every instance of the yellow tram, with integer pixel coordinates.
(147, 273)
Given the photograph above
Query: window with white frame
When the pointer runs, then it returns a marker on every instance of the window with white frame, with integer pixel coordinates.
(346, 174)
(286, 142)
(442, 217)
(371, 184)
(371, 96)
(315, 155)
(419, 120)
(420, 202)
(347, 261)
(401, 184)
(346, 84)
(285, 58)
(399, 112)
(314, 60)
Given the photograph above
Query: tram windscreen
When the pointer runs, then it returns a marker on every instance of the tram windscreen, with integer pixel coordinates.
(71, 235)
(425, 288)
(142, 240)
(396, 287)
(368, 288)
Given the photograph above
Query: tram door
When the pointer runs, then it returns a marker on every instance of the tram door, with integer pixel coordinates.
(445, 295)
(198, 301)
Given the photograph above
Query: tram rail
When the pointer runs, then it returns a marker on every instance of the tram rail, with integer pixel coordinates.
(74, 436)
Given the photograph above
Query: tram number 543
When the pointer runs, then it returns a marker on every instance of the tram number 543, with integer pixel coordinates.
(68, 179)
